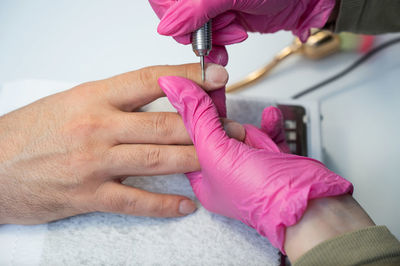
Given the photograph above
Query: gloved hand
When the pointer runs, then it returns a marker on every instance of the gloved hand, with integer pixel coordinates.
(232, 19)
(254, 182)
(226, 30)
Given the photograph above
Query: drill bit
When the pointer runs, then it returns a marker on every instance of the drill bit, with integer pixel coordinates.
(203, 76)
(202, 44)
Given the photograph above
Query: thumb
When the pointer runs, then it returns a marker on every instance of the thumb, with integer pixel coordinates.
(198, 112)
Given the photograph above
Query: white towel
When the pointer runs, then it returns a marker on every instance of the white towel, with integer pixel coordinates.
(202, 238)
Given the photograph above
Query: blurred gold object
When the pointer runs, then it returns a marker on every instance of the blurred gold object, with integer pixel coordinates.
(319, 45)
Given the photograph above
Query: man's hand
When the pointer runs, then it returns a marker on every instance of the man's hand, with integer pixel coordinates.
(67, 154)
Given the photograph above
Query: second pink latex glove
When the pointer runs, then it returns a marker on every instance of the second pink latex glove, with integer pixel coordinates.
(254, 182)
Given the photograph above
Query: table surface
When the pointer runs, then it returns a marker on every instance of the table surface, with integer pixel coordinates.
(77, 41)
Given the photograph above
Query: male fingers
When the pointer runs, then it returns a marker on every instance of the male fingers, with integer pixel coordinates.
(150, 128)
(148, 159)
(160, 128)
(117, 198)
(137, 88)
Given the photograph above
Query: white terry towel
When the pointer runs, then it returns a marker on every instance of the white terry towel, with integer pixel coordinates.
(202, 238)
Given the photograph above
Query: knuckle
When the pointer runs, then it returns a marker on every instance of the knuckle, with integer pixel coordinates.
(192, 71)
(152, 157)
(81, 158)
(89, 90)
(84, 125)
(162, 125)
(146, 76)
(161, 208)
(187, 159)
(129, 204)
(111, 157)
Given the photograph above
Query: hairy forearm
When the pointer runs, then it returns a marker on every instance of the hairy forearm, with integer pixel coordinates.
(325, 218)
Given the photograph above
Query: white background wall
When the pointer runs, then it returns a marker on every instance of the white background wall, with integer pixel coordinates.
(85, 40)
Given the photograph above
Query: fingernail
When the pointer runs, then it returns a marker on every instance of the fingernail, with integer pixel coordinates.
(187, 207)
(234, 129)
(216, 75)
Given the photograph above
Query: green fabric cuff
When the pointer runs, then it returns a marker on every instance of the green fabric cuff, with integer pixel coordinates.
(369, 246)
(368, 16)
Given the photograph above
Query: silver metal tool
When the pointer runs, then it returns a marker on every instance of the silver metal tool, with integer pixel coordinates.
(202, 44)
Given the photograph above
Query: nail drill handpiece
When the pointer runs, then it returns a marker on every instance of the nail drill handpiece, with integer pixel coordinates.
(202, 44)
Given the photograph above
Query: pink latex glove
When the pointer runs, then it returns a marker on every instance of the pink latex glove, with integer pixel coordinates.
(226, 30)
(232, 19)
(254, 182)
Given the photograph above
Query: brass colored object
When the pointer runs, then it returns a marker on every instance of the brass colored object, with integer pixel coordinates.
(319, 45)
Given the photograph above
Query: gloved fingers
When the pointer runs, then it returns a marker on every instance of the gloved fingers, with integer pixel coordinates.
(219, 99)
(183, 39)
(234, 129)
(223, 20)
(230, 34)
(161, 6)
(195, 179)
(184, 17)
(199, 115)
(272, 123)
(218, 24)
(218, 55)
(258, 139)
(227, 30)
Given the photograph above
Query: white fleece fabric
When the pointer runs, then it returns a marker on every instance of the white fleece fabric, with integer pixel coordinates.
(201, 238)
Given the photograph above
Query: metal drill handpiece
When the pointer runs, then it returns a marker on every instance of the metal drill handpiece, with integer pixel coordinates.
(202, 44)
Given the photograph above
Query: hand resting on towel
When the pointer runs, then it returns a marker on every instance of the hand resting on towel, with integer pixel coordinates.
(67, 154)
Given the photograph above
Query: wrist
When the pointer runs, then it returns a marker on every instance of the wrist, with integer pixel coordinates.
(324, 218)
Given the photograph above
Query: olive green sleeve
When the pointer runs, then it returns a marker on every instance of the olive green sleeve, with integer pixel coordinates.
(368, 16)
(369, 246)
